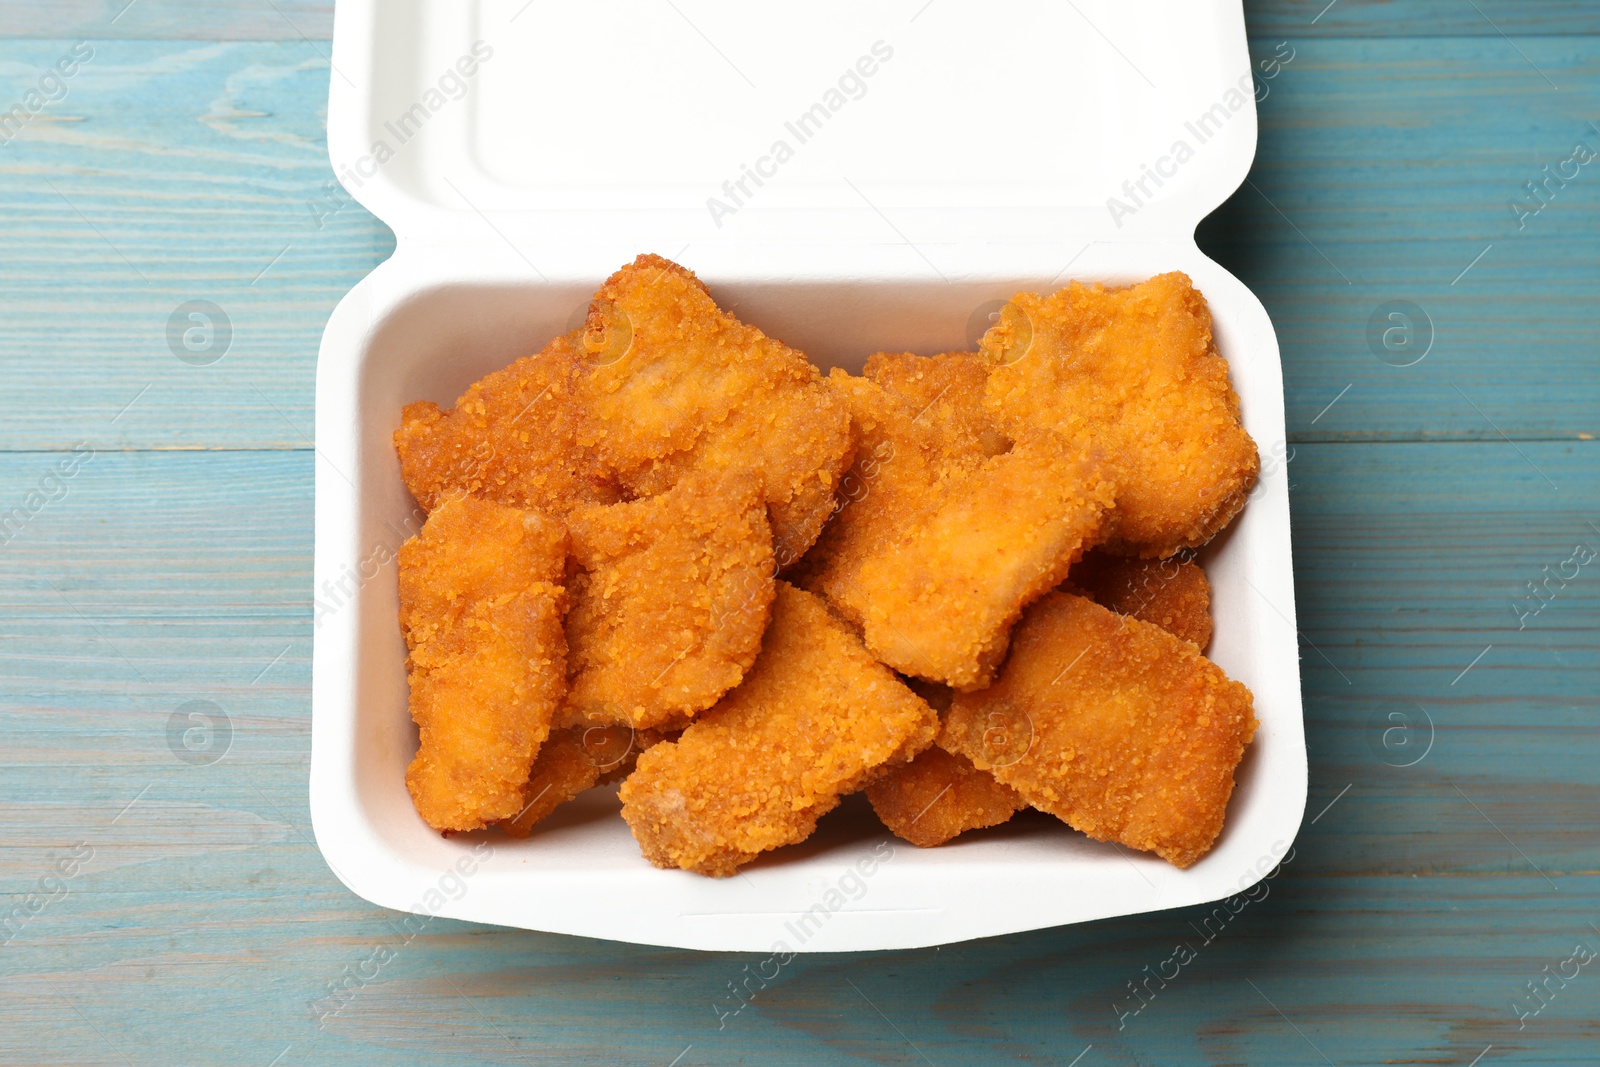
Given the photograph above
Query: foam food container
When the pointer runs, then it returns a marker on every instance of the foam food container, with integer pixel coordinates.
(937, 160)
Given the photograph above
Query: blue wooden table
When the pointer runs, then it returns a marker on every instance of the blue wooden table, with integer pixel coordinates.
(167, 904)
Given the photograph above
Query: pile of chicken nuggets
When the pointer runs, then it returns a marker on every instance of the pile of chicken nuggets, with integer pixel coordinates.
(668, 550)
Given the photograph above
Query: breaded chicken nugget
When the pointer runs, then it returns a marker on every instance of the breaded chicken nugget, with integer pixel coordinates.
(676, 384)
(813, 719)
(947, 394)
(906, 463)
(940, 601)
(1135, 369)
(945, 534)
(669, 601)
(573, 759)
(565, 767)
(1171, 593)
(618, 757)
(939, 795)
(481, 605)
(514, 437)
(1113, 725)
(915, 438)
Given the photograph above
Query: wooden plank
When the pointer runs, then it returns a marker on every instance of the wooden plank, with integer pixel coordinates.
(151, 536)
(1414, 911)
(1384, 171)
(1418, 18)
(456, 995)
(171, 173)
(195, 20)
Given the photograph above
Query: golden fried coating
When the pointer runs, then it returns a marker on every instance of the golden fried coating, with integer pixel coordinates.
(564, 768)
(573, 759)
(1137, 370)
(1171, 593)
(940, 601)
(947, 394)
(939, 795)
(967, 798)
(676, 384)
(812, 721)
(481, 606)
(911, 448)
(944, 535)
(1113, 725)
(658, 383)
(515, 437)
(669, 601)
(693, 458)
(618, 756)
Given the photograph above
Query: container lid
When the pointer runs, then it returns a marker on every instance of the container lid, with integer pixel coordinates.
(930, 136)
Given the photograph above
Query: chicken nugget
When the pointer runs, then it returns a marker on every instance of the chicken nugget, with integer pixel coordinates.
(1137, 370)
(1113, 725)
(566, 766)
(904, 797)
(1171, 593)
(676, 384)
(950, 528)
(915, 438)
(814, 718)
(940, 602)
(514, 436)
(481, 605)
(939, 795)
(947, 394)
(574, 759)
(669, 601)
(895, 478)
(618, 757)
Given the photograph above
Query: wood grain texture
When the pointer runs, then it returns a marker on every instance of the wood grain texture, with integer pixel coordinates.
(172, 172)
(189, 20)
(1419, 18)
(1385, 168)
(174, 565)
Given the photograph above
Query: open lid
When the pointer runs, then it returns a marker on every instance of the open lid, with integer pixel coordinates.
(825, 138)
